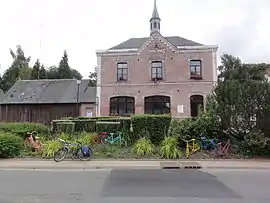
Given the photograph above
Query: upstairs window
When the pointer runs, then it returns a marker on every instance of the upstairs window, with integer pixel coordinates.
(156, 70)
(122, 71)
(195, 69)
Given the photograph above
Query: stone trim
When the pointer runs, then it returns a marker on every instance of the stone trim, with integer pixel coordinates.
(161, 38)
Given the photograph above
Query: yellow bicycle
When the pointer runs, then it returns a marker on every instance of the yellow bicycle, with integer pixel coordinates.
(192, 146)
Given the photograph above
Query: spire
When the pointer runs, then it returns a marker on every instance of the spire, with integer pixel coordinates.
(155, 20)
(155, 11)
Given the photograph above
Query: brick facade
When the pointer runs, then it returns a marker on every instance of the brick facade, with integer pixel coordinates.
(176, 82)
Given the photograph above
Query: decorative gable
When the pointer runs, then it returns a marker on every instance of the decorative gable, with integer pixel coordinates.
(160, 43)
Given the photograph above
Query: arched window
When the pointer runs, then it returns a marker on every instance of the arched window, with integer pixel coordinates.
(196, 105)
(122, 106)
(157, 105)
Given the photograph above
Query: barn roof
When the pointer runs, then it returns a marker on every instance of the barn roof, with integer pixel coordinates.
(49, 91)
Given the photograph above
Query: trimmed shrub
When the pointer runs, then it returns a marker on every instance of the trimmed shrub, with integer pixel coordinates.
(87, 124)
(21, 129)
(10, 145)
(108, 126)
(154, 126)
(66, 126)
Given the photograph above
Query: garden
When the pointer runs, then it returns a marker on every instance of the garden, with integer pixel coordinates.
(137, 137)
(235, 123)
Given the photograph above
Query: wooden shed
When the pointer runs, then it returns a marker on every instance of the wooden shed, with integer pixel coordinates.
(45, 100)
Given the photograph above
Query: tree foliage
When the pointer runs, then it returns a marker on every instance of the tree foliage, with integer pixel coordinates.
(93, 79)
(242, 94)
(20, 69)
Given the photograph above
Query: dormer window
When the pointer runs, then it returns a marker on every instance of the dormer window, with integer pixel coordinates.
(195, 69)
(122, 71)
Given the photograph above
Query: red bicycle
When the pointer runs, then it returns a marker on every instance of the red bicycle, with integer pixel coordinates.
(99, 137)
(33, 141)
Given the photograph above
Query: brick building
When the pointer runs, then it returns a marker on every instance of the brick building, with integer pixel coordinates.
(155, 74)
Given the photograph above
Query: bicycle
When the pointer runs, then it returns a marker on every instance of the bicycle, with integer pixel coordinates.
(33, 141)
(223, 148)
(209, 144)
(111, 139)
(76, 151)
(191, 148)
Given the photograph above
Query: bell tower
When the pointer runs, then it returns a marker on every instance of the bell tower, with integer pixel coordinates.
(155, 20)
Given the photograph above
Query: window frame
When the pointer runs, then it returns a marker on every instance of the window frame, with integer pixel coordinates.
(197, 72)
(157, 105)
(117, 106)
(157, 71)
(120, 72)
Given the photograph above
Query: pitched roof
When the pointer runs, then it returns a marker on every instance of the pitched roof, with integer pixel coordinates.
(134, 43)
(49, 91)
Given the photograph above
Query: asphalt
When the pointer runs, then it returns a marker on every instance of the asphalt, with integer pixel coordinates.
(130, 185)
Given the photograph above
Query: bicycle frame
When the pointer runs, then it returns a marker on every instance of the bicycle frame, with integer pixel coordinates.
(191, 148)
(68, 146)
(33, 140)
(111, 139)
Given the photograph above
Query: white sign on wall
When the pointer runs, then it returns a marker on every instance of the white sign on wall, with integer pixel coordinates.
(180, 108)
(89, 114)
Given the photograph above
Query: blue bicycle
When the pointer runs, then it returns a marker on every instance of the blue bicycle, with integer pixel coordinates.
(83, 152)
(112, 138)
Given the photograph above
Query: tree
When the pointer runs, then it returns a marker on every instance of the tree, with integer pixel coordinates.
(35, 71)
(242, 95)
(64, 69)
(38, 71)
(19, 69)
(93, 79)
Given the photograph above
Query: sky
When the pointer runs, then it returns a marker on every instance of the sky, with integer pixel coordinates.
(44, 29)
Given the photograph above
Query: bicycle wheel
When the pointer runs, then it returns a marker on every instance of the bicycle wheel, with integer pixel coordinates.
(60, 155)
(104, 140)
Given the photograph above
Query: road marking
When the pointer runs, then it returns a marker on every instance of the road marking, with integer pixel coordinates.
(227, 170)
(55, 170)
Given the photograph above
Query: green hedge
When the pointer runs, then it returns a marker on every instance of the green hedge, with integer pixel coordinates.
(108, 126)
(21, 129)
(89, 124)
(10, 145)
(153, 126)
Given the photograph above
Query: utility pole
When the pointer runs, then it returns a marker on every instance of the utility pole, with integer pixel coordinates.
(41, 25)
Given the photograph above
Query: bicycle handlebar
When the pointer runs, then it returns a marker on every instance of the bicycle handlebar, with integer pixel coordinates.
(65, 142)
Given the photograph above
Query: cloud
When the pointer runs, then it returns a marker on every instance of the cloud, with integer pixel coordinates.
(240, 38)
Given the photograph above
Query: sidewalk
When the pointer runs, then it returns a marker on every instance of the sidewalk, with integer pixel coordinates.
(136, 164)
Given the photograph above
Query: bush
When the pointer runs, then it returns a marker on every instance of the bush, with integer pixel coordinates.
(143, 147)
(169, 148)
(87, 124)
(66, 126)
(10, 145)
(181, 128)
(156, 126)
(21, 129)
(108, 126)
(50, 147)
(86, 138)
(205, 125)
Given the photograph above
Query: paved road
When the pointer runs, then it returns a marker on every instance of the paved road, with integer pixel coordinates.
(100, 186)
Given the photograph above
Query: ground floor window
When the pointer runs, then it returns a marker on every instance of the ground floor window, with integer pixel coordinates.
(157, 105)
(122, 106)
(196, 105)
